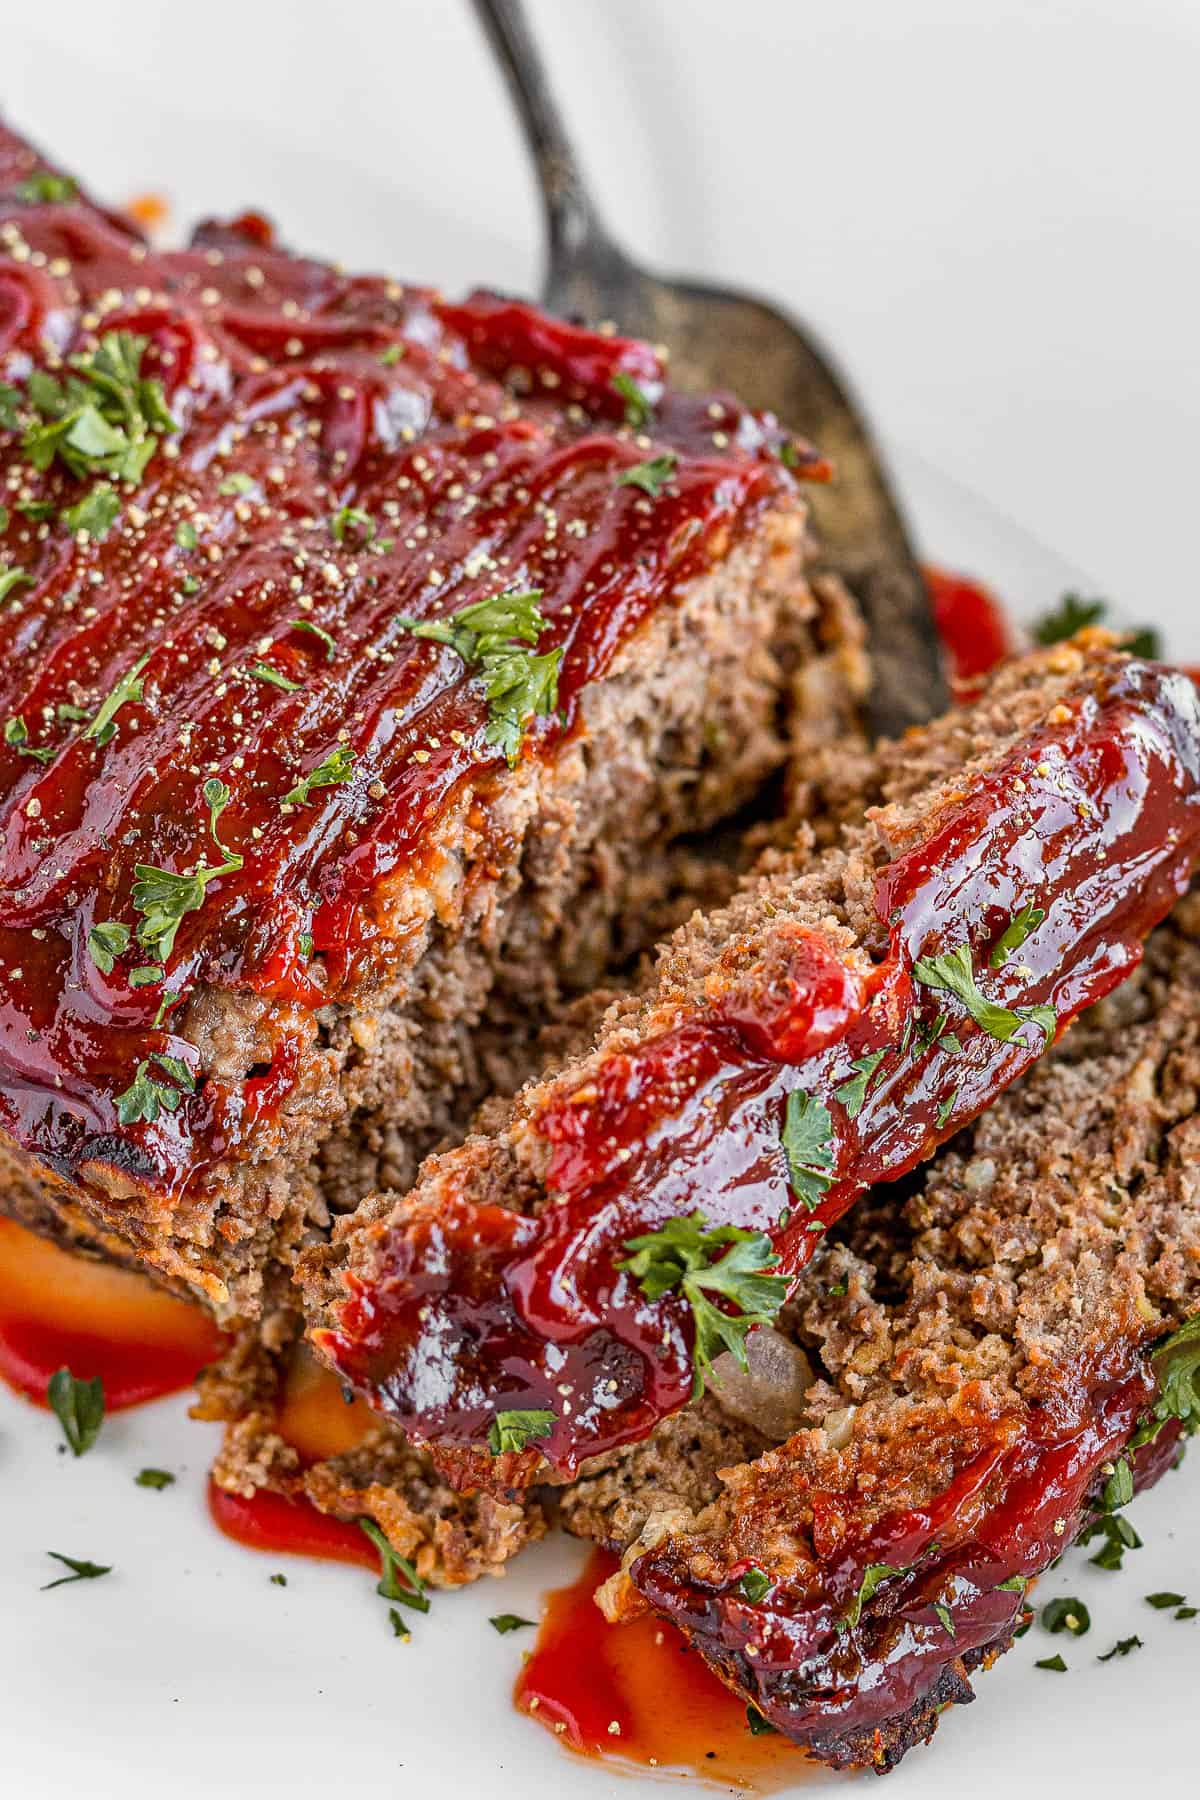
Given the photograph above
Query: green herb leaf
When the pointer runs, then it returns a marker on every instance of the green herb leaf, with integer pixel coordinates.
(853, 1093)
(1016, 1584)
(127, 690)
(946, 1617)
(164, 899)
(952, 972)
(154, 1478)
(755, 1585)
(807, 1139)
(146, 974)
(10, 400)
(186, 535)
(650, 476)
(1118, 1535)
(511, 1432)
(683, 1254)
(145, 1098)
(106, 941)
(1016, 931)
(237, 483)
(1118, 1489)
(337, 768)
(399, 1628)
(96, 513)
(11, 579)
(945, 1111)
(392, 355)
(262, 671)
(493, 637)
(304, 943)
(1187, 1612)
(412, 1593)
(638, 410)
(78, 1407)
(46, 188)
(757, 1725)
(1164, 1602)
(1054, 1663)
(317, 631)
(1072, 614)
(506, 1622)
(874, 1575)
(352, 522)
(81, 1570)
(278, 1580)
(1066, 1614)
(1177, 1364)
(102, 418)
(1121, 1648)
(17, 738)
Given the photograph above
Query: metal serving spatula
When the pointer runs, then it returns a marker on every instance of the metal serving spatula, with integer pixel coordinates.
(722, 339)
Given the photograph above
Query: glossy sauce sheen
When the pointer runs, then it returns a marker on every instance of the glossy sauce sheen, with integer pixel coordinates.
(297, 390)
(1095, 819)
(637, 1694)
(1009, 1512)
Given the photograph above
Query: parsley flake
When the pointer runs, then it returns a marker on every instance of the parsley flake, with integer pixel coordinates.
(261, 671)
(874, 1575)
(853, 1093)
(46, 188)
(1073, 614)
(1066, 1614)
(946, 1618)
(683, 1255)
(16, 736)
(237, 483)
(495, 639)
(101, 419)
(351, 522)
(1121, 1648)
(1164, 1602)
(1055, 1664)
(186, 535)
(79, 1408)
(127, 690)
(11, 579)
(154, 1478)
(757, 1725)
(511, 1432)
(96, 513)
(952, 972)
(755, 1585)
(807, 1139)
(412, 1593)
(1015, 932)
(317, 631)
(337, 768)
(650, 476)
(506, 1622)
(638, 410)
(81, 1570)
(146, 1096)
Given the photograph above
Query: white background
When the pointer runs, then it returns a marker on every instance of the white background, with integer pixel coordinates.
(991, 210)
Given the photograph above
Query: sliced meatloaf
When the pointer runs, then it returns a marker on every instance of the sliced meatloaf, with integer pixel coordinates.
(363, 660)
(555, 1286)
(968, 1383)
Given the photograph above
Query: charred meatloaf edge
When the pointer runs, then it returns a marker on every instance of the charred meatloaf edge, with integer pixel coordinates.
(1014, 1306)
(420, 1300)
(299, 1037)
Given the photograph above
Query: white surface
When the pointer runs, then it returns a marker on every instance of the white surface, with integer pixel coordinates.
(990, 210)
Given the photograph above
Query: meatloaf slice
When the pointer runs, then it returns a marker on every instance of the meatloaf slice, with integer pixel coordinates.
(993, 1370)
(363, 657)
(549, 1287)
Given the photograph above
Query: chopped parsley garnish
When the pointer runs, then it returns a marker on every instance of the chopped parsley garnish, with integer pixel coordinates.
(3, 517)
(351, 522)
(638, 410)
(1121, 1648)
(1055, 1664)
(10, 400)
(1017, 930)
(1118, 1535)
(146, 974)
(1066, 1614)
(11, 580)
(96, 513)
(154, 1478)
(278, 1580)
(756, 1724)
(946, 1618)
(1164, 1602)
(495, 639)
(952, 972)
(186, 535)
(506, 1622)
(1177, 1364)
(127, 690)
(304, 943)
(650, 476)
(1073, 613)
(392, 355)
(16, 736)
(81, 1570)
(164, 898)
(337, 768)
(1016, 1584)
(79, 1408)
(412, 1592)
(399, 1628)
(853, 1093)
(807, 1140)
(146, 1096)
(683, 1254)
(102, 419)
(237, 483)
(262, 671)
(874, 1575)
(317, 631)
(46, 188)
(945, 1111)
(755, 1585)
(511, 1432)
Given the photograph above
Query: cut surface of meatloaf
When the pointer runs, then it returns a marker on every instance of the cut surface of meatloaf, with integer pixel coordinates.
(363, 658)
(520, 1308)
(981, 1376)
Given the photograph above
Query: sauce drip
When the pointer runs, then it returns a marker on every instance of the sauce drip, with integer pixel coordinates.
(61, 1310)
(584, 1676)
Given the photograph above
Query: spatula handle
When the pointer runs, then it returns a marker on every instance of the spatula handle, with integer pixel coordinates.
(575, 234)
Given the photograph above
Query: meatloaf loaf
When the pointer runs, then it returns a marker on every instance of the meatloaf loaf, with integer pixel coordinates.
(967, 1383)
(362, 659)
(555, 1286)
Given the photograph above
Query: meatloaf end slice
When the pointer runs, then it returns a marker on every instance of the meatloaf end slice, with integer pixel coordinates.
(848, 1010)
(993, 1370)
(363, 660)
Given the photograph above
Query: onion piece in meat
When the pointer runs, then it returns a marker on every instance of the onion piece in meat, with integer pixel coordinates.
(770, 1393)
